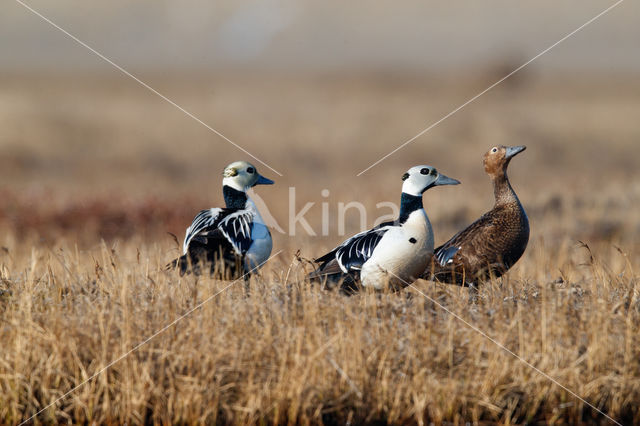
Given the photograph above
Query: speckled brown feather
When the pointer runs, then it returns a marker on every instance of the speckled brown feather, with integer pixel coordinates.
(492, 244)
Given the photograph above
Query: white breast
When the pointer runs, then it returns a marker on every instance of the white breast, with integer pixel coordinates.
(397, 260)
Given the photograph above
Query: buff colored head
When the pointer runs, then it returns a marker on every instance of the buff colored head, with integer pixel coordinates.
(242, 175)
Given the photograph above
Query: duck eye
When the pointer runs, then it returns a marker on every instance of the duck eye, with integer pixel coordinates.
(494, 149)
(425, 171)
(250, 170)
(405, 176)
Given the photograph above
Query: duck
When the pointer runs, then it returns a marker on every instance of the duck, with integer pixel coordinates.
(234, 240)
(391, 255)
(491, 245)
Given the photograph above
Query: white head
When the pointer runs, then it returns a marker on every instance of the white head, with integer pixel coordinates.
(241, 176)
(420, 178)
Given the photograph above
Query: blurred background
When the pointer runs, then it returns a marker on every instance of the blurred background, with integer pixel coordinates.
(319, 91)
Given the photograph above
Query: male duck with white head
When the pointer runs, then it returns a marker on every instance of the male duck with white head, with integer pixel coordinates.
(492, 244)
(234, 238)
(393, 253)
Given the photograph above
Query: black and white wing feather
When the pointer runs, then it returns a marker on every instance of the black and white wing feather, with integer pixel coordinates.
(203, 221)
(355, 251)
(236, 227)
(234, 224)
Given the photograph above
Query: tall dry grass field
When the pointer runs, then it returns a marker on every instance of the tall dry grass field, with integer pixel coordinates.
(96, 172)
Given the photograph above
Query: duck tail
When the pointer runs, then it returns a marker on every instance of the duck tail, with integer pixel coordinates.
(181, 264)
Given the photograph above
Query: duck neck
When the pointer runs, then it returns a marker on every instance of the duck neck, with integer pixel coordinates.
(408, 204)
(233, 198)
(502, 190)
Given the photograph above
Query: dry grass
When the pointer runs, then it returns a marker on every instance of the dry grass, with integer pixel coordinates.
(291, 353)
(288, 353)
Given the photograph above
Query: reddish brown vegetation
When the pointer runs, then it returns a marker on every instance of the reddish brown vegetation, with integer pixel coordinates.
(95, 218)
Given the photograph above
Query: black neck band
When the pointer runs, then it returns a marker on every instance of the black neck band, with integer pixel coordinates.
(408, 204)
(233, 198)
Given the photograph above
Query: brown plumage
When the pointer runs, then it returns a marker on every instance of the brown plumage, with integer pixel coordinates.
(491, 244)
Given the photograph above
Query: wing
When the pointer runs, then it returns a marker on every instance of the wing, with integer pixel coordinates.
(236, 227)
(203, 221)
(355, 251)
(234, 224)
(213, 248)
(466, 241)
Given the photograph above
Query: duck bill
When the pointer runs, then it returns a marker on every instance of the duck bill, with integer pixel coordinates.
(512, 151)
(263, 181)
(444, 180)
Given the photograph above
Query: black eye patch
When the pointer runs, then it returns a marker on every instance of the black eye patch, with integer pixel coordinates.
(250, 170)
(405, 176)
(425, 171)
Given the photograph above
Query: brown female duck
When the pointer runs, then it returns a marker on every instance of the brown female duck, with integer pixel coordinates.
(491, 244)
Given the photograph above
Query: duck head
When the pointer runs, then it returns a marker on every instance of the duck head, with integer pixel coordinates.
(420, 178)
(497, 158)
(242, 175)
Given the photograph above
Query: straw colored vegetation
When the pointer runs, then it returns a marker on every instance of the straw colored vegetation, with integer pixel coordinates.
(83, 286)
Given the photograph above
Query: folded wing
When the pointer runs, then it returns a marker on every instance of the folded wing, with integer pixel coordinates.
(234, 224)
(351, 254)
